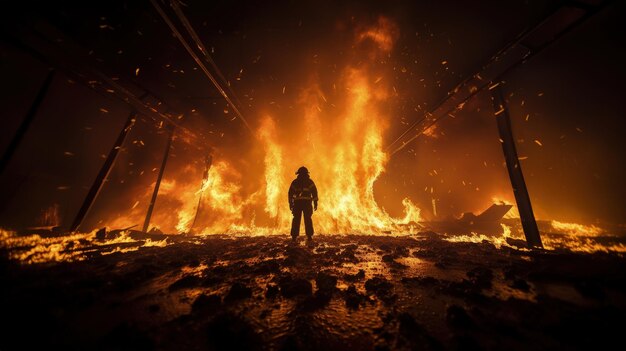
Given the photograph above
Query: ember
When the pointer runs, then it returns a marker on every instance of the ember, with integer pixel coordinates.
(461, 165)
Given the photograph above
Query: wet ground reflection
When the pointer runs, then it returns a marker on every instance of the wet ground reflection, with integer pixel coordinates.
(338, 292)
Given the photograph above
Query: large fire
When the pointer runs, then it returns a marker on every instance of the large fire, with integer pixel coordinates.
(340, 140)
(341, 145)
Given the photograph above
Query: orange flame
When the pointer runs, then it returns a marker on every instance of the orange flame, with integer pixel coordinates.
(576, 229)
(341, 144)
(383, 34)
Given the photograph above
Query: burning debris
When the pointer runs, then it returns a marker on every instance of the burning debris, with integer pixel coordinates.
(351, 292)
(175, 237)
(58, 247)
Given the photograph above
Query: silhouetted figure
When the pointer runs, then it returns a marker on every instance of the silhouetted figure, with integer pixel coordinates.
(302, 193)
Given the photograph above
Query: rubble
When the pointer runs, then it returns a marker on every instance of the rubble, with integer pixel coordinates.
(206, 303)
(291, 287)
(262, 293)
(238, 291)
(326, 283)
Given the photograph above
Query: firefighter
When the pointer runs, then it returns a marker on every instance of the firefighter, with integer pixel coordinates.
(302, 193)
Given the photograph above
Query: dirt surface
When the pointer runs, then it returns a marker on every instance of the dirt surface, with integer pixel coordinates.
(335, 293)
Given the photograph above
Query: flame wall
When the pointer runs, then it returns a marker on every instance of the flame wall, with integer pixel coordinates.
(342, 145)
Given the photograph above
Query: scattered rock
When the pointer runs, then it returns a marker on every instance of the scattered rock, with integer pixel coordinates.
(267, 267)
(353, 299)
(290, 287)
(238, 291)
(355, 277)
(481, 277)
(206, 303)
(315, 302)
(185, 282)
(348, 254)
(420, 281)
(520, 284)
(401, 251)
(56, 293)
(297, 256)
(272, 291)
(457, 317)
(325, 282)
(231, 332)
(414, 335)
(590, 290)
(211, 280)
(388, 258)
(351, 247)
(380, 287)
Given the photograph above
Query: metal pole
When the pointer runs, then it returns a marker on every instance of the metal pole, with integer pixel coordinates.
(21, 131)
(503, 120)
(104, 173)
(205, 177)
(146, 223)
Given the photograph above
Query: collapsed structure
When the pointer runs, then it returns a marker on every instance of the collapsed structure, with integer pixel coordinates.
(352, 206)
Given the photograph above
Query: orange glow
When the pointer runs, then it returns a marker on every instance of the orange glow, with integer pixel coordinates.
(341, 144)
(575, 229)
(67, 248)
(574, 241)
(513, 212)
(383, 34)
(431, 132)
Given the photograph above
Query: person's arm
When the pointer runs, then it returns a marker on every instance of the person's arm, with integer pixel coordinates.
(290, 196)
(315, 199)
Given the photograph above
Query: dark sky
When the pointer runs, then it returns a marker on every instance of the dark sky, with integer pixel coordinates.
(572, 94)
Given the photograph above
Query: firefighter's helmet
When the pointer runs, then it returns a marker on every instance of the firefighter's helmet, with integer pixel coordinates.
(302, 170)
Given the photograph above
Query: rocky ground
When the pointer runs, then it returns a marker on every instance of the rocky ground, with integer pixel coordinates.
(336, 293)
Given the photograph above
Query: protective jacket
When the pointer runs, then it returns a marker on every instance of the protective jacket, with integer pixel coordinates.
(302, 188)
(302, 193)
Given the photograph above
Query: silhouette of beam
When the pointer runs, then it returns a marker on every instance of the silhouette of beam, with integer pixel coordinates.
(104, 173)
(195, 56)
(519, 50)
(209, 161)
(503, 120)
(81, 68)
(146, 223)
(30, 116)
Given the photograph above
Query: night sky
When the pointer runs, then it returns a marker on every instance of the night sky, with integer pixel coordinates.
(566, 104)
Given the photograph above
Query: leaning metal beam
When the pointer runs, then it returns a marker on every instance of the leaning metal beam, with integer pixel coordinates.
(82, 70)
(522, 48)
(527, 217)
(105, 170)
(175, 4)
(198, 61)
(155, 193)
(21, 130)
(205, 178)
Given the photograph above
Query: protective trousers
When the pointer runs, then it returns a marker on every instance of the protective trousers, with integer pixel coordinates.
(301, 207)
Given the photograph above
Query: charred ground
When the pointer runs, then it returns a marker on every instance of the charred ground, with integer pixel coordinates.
(338, 292)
